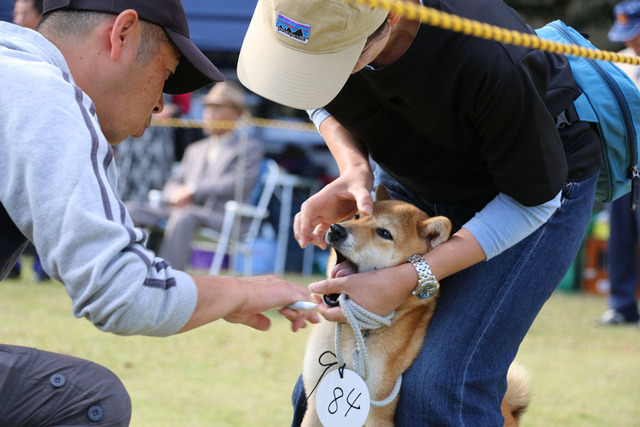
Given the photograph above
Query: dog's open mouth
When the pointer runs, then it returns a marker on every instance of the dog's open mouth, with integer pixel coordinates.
(343, 268)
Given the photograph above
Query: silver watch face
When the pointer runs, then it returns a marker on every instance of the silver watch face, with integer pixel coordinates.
(427, 290)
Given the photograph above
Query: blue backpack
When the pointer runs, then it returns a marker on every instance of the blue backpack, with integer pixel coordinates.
(612, 100)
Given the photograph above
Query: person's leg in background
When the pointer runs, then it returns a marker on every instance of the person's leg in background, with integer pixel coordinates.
(623, 264)
(15, 271)
(39, 275)
(182, 226)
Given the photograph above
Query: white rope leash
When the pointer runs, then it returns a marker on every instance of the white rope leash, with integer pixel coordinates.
(360, 319)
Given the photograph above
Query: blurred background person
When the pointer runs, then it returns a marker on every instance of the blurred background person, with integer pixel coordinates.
(624, 224)
(27, 13)
(206, 179)
(145, 163)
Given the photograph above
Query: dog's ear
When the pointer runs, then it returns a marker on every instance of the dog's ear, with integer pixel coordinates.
(382, 193)
(435, 230)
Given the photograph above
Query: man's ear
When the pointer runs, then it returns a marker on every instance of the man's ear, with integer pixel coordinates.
(125, 34)
(393, 19)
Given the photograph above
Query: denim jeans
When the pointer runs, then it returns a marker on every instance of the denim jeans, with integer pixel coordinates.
(483, 314)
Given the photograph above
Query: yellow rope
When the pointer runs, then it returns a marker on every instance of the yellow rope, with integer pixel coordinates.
(228, 124)
(437, 18)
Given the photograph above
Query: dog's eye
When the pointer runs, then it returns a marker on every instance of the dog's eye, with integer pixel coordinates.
(356, 216)
(384, 233)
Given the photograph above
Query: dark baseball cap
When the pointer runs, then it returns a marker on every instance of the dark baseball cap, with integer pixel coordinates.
(194, 70)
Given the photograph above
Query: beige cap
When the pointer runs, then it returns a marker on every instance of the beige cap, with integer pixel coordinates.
(300, 53)
(226, 93)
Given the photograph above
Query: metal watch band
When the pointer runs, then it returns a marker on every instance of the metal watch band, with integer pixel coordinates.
(427, 283)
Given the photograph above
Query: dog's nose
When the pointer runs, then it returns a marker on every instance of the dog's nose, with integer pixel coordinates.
(337, 233)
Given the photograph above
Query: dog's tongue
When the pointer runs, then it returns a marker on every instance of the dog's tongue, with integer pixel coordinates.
(345, 268)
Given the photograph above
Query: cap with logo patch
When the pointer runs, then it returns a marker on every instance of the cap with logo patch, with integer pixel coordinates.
(194, 70)
(300, 53)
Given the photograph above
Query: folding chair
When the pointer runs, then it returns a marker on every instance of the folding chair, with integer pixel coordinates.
(230, 240)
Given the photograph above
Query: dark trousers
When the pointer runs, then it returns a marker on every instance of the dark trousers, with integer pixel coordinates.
(623, 257)
(39, 388)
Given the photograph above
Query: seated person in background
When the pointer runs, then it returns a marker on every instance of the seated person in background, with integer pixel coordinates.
(195, 196)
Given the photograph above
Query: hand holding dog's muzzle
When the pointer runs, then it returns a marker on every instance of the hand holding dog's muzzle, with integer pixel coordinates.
(370, 290)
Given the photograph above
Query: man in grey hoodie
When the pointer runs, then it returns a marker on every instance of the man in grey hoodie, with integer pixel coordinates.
(91, 76)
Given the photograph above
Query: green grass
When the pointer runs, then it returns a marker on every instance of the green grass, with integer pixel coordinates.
(231, 375)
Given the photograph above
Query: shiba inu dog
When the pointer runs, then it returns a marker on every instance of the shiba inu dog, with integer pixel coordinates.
(395, 231)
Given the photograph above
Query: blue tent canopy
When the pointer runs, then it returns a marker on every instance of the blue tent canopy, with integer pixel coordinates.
(6, 10)
(218, 26)
(215, 25)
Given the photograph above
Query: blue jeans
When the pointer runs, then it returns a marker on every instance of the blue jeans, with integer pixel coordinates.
(623, 257)
(483, 314)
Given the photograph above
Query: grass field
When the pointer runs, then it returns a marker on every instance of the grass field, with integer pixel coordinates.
(230, 375)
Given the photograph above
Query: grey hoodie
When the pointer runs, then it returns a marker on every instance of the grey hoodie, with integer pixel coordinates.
(57, 185)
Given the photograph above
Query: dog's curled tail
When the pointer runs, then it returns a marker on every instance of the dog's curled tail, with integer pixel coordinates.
(518, 395)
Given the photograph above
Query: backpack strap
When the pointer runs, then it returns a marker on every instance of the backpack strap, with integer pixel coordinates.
(579, 110)
(585, 111)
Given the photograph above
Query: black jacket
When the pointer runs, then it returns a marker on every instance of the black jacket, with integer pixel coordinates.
(459, 118)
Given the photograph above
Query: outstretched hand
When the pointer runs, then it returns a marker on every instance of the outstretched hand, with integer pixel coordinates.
(259, 321)
(270, 292)
(244, 300)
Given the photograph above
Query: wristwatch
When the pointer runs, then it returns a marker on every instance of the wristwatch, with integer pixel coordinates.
(427, 283)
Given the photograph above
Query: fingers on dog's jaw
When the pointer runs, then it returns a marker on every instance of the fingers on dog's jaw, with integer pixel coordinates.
(331, 314)
(319, 287)
(308, 223)
(321, 229)
(318, 234)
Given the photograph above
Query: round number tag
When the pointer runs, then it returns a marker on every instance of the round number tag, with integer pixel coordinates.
(342, 399)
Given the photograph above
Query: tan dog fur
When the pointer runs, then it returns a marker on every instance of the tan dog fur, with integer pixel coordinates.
(391, 349)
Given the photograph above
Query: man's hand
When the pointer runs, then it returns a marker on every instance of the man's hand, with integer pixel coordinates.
(181, 196)
(245, 299)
